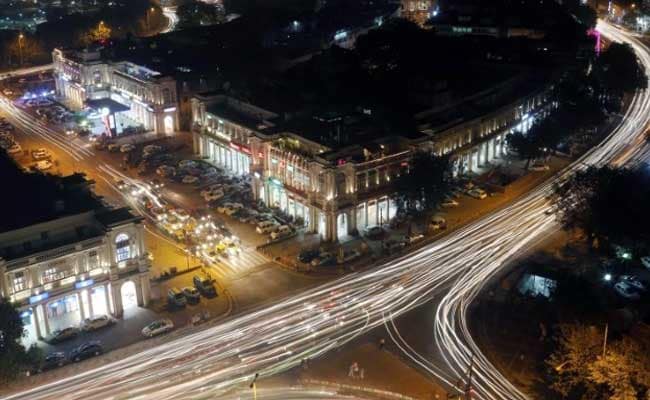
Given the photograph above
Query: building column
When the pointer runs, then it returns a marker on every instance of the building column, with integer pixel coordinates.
(495, 145)
(504, 149)
(352, 220)
(117, 300)
(486, 154)
(37, 326)
(108, 300)
(46, 321)
(146, 290)
(138, 293)
(470, 161)
(80, 304)
(90, 302)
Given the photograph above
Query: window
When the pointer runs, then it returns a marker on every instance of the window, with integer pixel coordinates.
(52, 274)
(20, 282)
(93, 260)
(122, 247)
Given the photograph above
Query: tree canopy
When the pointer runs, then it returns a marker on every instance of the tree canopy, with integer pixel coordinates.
(197, 13)
(619, 70)
(13, 356)
(426, 183)
(608, 204)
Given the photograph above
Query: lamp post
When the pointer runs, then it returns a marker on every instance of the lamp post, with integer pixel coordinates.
(149, 11)
(20, 47)
(253, 386)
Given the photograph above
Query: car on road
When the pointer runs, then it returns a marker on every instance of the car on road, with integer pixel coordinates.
(96, 322)
(305, 256)
(176, 298)
(374, 232)
(632, 281)
(150, 150)
(155, 184)
(229, 208)
(267, 226)
(627, 291)
(158, 328)
(159, 213)
(477, 193)
(282, 231)
(61, 335)
(40, 154)
(125, 148)
(15, 149)
(204, 285)
(191, 294)
(86, 350)
(53, 360)
(43, 165)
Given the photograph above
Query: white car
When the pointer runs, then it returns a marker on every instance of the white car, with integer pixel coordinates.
(96, 322)
(158, 328)
(263, 229)
(40, 154)
(477, 193)
(449, 203)
(125, 148)
(14, 149)
(213, 195)
(229, 208)
(43, 165)
(189, 179)
(437, 222)
(632, 281)
(281, 232)
(180, 214)
(623, 289)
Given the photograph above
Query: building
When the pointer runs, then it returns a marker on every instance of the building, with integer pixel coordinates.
(333, 171)
(418, 11)
(126, 96)
(67, 257)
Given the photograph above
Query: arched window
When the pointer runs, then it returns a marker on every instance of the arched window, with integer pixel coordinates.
(122, 247)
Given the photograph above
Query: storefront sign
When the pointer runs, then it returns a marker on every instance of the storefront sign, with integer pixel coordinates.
(38, 297)
(83, 284)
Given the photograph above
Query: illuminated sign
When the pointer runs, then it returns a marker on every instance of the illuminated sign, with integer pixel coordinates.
(83, 284)
(38, 297)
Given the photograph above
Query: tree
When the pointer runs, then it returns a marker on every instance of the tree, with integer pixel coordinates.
(619, 70)
(12, 352)
(608, 204)
(198, 13)
(99, 34)
(526, 146)
(426, 183)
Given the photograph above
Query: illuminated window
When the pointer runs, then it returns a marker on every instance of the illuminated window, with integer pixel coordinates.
(122, 247)
(20, 282)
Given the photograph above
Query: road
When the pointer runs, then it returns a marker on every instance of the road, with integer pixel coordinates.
(274, 338)
(172, 19)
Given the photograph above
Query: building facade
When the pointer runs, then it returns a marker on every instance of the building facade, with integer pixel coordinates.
(67, 269)
(145, 97)
(339, 191)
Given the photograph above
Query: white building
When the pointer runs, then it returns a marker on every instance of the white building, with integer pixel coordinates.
(337, 190)
(73, 264)
(143, 97)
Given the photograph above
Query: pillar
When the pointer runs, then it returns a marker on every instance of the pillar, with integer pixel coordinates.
(108, 300)
(504, 149)
(146, 290)
(495, 145)
(80, 304)
(90, 302)
(352, 220)
(46, 321)
(37, 325)
(486, 151)
(138, 293)
(470, 161)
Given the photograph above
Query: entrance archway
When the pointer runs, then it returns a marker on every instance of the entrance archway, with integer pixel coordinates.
(169, 124)
(129, 295)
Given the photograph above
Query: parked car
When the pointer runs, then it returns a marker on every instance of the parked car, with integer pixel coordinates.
(187, 164)
(414, 237)
(53, 360)
(189, 179)
(158, 328)
(40, 154)
(113, 147)
(60, 335)
(393, 245)
(265, 227)
(15, 149)
(229, 208)
(212, 195)
(349, 256)
(539, 167)
(191, 294)
(437, 222)
(323, 259)
(305, 256)
(374, 232)
(632, 281)
(449, 203)
(166, 171)
(96, 322)
(43, 165)
(282, 231)
(477, 193)
(205, 286)
(626, 290)
(176, 298)
(86, 350)
(125, 148)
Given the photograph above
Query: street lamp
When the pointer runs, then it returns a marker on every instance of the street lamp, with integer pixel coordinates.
(20, 46)
(254, 386)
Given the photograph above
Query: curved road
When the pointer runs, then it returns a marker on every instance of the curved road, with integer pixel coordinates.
(272, 339)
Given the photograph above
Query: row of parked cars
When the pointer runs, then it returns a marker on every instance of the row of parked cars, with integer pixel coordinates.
(59, 358)
(181, 297)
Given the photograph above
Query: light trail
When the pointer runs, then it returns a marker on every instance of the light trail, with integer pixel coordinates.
(275, 338)
(172, 19)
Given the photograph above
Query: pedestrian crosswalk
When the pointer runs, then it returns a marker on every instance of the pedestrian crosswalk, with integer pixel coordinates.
(237, 264)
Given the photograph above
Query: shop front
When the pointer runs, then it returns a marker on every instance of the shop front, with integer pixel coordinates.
(232, 157)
